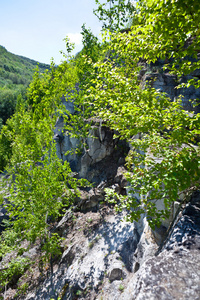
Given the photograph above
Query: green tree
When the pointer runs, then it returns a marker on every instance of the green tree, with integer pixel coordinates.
(114, 13)
(5, 147)
(41, 184)
(8, 100)
(82, 68)
(164, 161)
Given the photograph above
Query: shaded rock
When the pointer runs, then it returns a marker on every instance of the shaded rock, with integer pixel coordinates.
(94, 196)
(4, 215)
(86, 161)
(116, 188)
(89, 200)
(121, 161)
(187, 230)
(127, 250)
(61, 227)
(166, 83)
(159, 234)
(68, 256)
(100, 145)
(147, 246)
(116, 272)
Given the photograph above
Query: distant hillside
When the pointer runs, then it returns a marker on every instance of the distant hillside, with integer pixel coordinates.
(15, 75)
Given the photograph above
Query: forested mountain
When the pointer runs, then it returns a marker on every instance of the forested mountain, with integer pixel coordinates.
(15, 74)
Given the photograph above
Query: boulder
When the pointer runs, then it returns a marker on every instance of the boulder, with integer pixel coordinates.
(116, 272)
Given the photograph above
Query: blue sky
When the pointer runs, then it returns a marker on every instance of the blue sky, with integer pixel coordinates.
(36, 28)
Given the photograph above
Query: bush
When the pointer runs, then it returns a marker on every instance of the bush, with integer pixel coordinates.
(13, 271)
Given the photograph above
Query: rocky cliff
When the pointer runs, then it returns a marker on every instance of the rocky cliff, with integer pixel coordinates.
(103, 256)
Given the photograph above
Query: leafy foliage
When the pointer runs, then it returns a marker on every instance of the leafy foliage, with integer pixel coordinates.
(114, 13)
(82, 68)
(42, 185)
(13, 270)
(164, 161)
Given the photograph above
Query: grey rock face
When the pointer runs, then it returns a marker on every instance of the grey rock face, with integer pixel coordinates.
(167, 83)
(94, 197)
(167, 277)
(87, 261)
(99, 145)
(102, 143)
(175, 272)
(60, 228)
(186, 234)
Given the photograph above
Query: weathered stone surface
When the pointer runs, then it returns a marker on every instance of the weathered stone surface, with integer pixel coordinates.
(167, 83)
(103, 172)
(99, 146)
(159, 234)
(169, 276)
(186, 233)
(112, 260)
(120, 178)
(101, 143)
(146, 247)
(32, 253)
(175, 272)
(85, 263)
